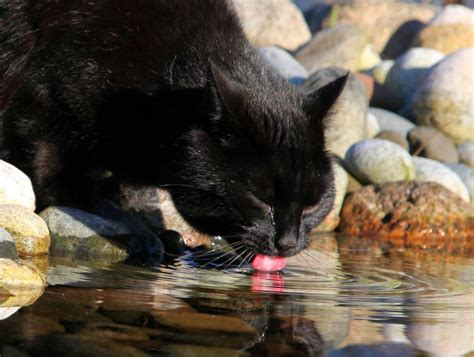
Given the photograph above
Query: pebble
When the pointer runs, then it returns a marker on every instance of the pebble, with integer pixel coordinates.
(284, 63)
(444, 100)
(394, 137)
(378, 161)
(88, 235)
(348, 123)
(415, 211)
(391, 121)
(433, 171)
(29, 231)
(273, 23)
(433, 144)
(15, 187)
(466, 152)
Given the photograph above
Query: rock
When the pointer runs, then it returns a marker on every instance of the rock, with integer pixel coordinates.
(380, 71)
(273, 23)
(466, 174)
(7, 246)
(368, 81)
(348, 123)
(444, 100)
(331, 222)
(433, 144)
(372, 126)
(340, 46)
(394, 137)
(411, 210)
(433, 171)
(369, 58)
(410, 69)
(400, 41)
(383, 349)
(451, 30)
(87, 235)
(284, 63)
(385, 98)
(29, 231)
(379, 19)
(15, 274)
(391, 121)
(15, 187)
(25, 328)
(377, 161)
(466, 152)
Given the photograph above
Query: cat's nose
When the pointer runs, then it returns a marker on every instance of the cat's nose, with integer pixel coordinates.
(288, 241)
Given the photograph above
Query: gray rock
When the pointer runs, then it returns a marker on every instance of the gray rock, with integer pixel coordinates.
(466, 152)
(433, 171)
(378, 161)
(7, 246)
(340, 46)
(284, 63)
(444, 100)
(466, 174)
(394, 137)
(391, 121)
(15, 187)
(372, 126)
(273, 23)
(348, 124)
(410, 69)
(87, 235)
(433, 144)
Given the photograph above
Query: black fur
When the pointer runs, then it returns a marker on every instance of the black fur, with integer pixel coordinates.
(164, 92)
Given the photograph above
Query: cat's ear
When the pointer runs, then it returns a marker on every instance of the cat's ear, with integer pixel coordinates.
(229, 93)
(321, 100)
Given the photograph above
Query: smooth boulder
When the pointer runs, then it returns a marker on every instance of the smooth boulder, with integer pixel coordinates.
(433, 144)
(378, 161)
(466, 174)
(15, 187)
(394, 137)
(391, 121)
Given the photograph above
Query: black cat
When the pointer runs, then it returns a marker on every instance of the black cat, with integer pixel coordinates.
(164, 92)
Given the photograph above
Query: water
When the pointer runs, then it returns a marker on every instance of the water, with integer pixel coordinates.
(342, 297)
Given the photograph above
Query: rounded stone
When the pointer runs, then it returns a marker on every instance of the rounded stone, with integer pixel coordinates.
(348, 124)
(372, 125)
(17, 273)
(377, 161)
(284, 64)
(29, 231)
(7, 246)
(445, 100)
(15, 187)
(369, 58)
(431, 143)
(394, 137)
(433, 171)
(391, 121)
(415, 211)
(466, 174)
(380, 71)
(466, 152)
(410, 69)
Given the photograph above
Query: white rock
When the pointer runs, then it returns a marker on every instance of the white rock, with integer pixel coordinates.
(372, 124)
(15, 187)
(454, 14)
(391, 121)
(466, 174)
(434, 171)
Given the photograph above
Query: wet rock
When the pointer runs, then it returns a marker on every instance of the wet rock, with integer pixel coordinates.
(348, 123)
(433, 144)
(6, 312)
(394, 137)
(412, 210)
(114, 332)
(452, 29)
(27, 327)
(273, 23)
(15, 274)
(381, 71)
(433, 171)
(377, 161)
(444, 100)
(15, 187)
(466, 152)
(391, 121)
(379, 19)
(29, 231)
(372, 125)
(466, 174)
(410, 69)
(7, 246)
(331, 222)
(340, 46)
(87, 235)
(284, 63)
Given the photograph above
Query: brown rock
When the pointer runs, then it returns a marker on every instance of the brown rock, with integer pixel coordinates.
(446, 38)
(413, 211)
(394, 137)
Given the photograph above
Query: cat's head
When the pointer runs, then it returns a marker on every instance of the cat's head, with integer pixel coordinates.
(257, 170)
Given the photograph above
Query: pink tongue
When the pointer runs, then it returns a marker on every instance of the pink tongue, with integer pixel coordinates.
(268, 263)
